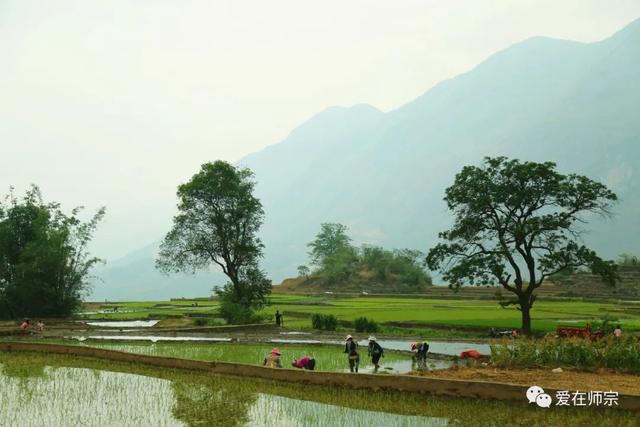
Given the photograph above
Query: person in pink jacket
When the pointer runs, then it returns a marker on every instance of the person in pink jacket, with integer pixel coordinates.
(305, 362)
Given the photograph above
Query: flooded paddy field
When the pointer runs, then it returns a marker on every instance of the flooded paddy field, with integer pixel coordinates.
(124, 323)
(63, 390)
(328, 358)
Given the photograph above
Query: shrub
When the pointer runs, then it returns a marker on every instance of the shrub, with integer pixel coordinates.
(238, 314)
(200, 321)
(204, 321)
(362, 324)
(325, 322)
(606, 324)
(620, 354)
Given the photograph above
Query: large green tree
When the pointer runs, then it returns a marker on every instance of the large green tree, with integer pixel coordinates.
(517, 223)
(217, 224)
(44, 261)
(331, 239)
(332, 253)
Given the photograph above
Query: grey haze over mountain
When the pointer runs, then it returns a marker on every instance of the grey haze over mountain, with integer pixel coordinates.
(384, 174)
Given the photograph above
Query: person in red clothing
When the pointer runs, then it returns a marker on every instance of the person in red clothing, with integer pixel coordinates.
(24, 325)
(305, 362)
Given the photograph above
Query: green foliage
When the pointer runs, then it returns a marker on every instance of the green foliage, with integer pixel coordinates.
(403, 265)
(324, 322)
(44, 261)
(235, 313)
(339, 262)
(208, 321)
(606, 324)
(362, 324)
(517, 224)
(340, 266)
(217, 223)
(303, 271)
(331, 239)
(621, 354)
(238, 303)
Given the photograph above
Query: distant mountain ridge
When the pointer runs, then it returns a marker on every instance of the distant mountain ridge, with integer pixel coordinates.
(384, 174)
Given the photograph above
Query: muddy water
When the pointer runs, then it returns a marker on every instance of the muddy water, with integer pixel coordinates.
(441, 347)
(405, 366)
(125, 324)
(152, 338)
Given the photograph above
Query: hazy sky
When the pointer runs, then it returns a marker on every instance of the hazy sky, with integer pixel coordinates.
(116, 102)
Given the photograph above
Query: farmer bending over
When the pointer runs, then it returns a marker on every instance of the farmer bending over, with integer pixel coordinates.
(420, 351)
(305, 362)
(273, 359)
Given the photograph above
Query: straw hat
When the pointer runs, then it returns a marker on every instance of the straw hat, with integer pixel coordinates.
(372, 338)
(348, 338)
(275, 351)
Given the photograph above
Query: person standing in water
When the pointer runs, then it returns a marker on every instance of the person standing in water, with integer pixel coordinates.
(278, 318)
(375, 352)
(351, 348)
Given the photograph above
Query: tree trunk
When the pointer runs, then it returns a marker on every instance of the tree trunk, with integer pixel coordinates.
(526, 318)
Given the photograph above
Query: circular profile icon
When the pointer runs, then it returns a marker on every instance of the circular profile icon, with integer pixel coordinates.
(543, 400)
(533, 392)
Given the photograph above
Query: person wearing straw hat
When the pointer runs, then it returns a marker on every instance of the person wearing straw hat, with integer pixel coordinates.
(375, 352)
(273, 359)
(351, 348)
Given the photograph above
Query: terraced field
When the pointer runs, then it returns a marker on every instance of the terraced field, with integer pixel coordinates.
(397, 312)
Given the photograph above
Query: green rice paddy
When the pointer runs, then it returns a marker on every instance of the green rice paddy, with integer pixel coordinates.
(410, 312)
(328, 358)
(68, 391)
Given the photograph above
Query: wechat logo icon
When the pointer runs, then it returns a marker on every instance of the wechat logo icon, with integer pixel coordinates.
(537, 395)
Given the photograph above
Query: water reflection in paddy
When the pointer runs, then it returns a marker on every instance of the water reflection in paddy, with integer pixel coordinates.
(124, 323)
(73, 397)
(42, 396)
(271, 410)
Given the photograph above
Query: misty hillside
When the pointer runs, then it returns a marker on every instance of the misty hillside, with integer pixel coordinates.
(384, 174)
(134, 277)
(542, 99)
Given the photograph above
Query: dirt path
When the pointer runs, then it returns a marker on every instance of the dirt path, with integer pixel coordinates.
(602, 380)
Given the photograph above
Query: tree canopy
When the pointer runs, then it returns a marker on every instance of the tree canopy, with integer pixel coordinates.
(517, 223)
(331, 239)
(44, 261)
(217, 224)
(339, 262)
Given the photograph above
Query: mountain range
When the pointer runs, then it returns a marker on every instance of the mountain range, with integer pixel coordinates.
(383, 174)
